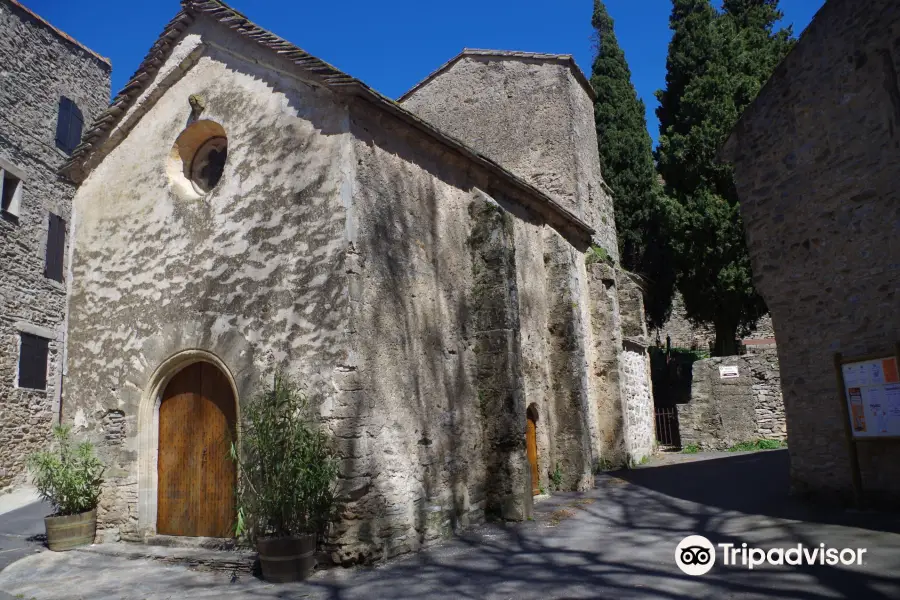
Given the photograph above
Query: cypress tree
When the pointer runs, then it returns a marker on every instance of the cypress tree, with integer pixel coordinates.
(626, 161)
(716, 66)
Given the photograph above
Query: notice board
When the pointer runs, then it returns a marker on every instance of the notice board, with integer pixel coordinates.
(872, 396)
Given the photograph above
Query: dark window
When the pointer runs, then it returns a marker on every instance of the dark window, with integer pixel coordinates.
(68, 125)
(8, 187)
(56, 245)
(33, 362)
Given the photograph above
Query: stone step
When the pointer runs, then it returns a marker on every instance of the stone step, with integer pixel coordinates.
(235, 561)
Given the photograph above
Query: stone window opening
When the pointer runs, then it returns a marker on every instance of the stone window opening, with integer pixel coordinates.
(10, 193)
(69, 124)
(208, 164)
(33, 353)
(56, 247)
(196, 163)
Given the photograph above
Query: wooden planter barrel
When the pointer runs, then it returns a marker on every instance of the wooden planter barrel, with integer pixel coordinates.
(64, 533)
(287, 559)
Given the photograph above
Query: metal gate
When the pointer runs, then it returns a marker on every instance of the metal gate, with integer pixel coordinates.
(667, 427)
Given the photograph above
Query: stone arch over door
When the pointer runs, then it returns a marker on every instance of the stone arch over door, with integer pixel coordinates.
(192, 365)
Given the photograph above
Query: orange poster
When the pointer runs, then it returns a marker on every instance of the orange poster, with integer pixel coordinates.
(889, 366)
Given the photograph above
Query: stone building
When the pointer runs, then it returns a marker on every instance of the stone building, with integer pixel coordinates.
(244, 206)
(49, 84)
(816, 170)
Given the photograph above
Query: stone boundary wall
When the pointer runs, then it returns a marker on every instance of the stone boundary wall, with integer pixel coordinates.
(700, 336)
(724, 412)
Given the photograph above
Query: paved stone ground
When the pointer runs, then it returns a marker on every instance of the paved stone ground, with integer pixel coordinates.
(21, 532)
(616, 541)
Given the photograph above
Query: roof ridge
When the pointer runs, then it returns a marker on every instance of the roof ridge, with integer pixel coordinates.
(60, 32)
(523, 53)
(78, 165)
(566, 58)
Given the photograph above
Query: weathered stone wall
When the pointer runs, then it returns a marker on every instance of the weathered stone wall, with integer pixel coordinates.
(637, 400)
(769, 403)
(467, 312)
(435, 343)
(534, 307)
(38, 66)
(698, 336)
(533, 117)
(620, 368)
(636, 387)
(495, 330)
(606, 389)
(532, 114)
(724, 412)
(253, 273)
(816, 171)
(569, 342)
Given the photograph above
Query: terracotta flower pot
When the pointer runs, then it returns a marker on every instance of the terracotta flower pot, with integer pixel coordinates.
(71, 531)
(287, 559)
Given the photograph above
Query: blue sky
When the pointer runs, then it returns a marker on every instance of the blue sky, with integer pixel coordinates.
(392, 45)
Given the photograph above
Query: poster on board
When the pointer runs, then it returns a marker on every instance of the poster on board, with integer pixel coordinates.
(872, 393)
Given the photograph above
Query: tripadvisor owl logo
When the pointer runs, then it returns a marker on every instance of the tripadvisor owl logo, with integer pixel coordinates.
(695, 555)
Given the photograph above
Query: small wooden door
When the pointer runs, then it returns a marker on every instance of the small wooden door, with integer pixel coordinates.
(196, 474)
(531, 449)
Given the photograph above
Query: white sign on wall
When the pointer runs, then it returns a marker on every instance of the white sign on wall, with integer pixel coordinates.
(728, 372)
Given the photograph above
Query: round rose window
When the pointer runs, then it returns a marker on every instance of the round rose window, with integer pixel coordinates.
(208, 164)
(196, 162)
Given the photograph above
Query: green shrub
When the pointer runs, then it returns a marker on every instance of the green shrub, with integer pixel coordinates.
(758, 445)
(288, 467)
(691, 449)
(68, 475)
(596, 254)
(556, 478)
(604, 464)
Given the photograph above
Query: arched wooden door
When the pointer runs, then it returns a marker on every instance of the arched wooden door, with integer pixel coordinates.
(196, 474)
(531, 449)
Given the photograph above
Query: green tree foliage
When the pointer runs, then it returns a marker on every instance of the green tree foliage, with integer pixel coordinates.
(717, 64)
(626, 161)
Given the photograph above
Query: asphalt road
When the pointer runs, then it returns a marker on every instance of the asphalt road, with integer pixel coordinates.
(616, 541)
(21, 532)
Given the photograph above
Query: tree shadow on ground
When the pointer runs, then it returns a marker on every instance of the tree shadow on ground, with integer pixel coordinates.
(618, 541)
(753, 483)
(615, 541)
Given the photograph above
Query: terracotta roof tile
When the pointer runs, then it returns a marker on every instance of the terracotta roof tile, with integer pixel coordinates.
(90, 152)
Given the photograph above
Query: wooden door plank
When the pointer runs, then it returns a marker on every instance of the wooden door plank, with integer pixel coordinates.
(531, 450)
(196, 474)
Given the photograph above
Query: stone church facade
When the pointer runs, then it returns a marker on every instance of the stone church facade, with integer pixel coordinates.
(49, 84)
(420, 266)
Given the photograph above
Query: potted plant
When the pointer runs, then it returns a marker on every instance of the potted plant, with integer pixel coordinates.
(68, 475)
(286, 489)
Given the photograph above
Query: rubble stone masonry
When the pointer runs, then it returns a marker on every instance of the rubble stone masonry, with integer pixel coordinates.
(38, 65)
(816, 171)
(724, 412)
